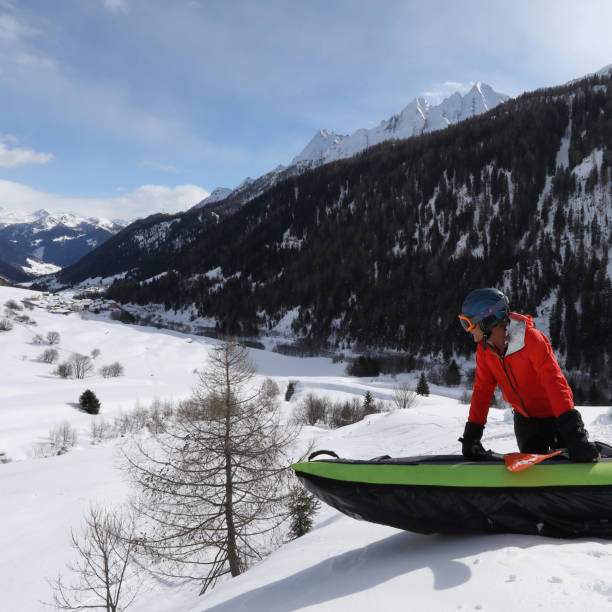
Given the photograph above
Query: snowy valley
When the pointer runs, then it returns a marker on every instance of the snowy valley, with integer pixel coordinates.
(341, 564)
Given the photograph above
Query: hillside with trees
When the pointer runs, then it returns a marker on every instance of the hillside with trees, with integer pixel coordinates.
(379, 250)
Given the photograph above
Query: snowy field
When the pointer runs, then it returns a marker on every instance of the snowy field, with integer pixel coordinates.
(341, 565)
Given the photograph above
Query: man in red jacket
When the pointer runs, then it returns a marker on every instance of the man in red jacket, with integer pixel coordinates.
(515, 356)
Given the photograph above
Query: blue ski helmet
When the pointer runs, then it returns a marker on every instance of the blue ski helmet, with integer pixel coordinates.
(486, 308)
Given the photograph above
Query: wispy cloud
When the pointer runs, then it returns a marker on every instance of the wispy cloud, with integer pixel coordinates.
(103, 104)
(116, 5)
(162, 167)
(11, 28)
(16, 156)
(140, 202)
(443, 90)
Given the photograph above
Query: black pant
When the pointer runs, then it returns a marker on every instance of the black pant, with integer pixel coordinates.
(536, 435)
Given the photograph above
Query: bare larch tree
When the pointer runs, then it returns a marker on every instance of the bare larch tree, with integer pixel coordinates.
(213, 486)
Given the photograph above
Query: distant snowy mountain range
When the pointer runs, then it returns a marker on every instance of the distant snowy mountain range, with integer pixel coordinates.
(419, 117)
(39, 243)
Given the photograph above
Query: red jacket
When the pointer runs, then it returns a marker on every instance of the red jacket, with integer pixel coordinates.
(528, 374)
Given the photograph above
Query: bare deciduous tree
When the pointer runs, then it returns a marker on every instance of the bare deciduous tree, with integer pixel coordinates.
(53, 337)
(104, 574)
(99, 430)
(214, 485)
(269, 388)
(311, 410)
(48, 356)
(64, 370)
(403, 396)
(111, 371)
(62, 438)
(81, 365)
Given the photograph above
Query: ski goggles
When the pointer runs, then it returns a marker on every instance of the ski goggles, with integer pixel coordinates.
(467, 324)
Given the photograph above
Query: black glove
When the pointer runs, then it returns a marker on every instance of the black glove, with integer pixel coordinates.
(575, 437)
(471, 447)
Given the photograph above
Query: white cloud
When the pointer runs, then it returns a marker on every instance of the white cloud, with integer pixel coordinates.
(116, 5)
(104, 104)
(162, 167)
(143, 201)
(13, 157)
(443, 90)
(12, 30)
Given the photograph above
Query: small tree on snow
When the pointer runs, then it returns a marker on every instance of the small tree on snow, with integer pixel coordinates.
(48, 356)
(403, 397)
(369, 406)
(214, 489)
(111, 371)
(311, 410)
(12, 305)
(53, 337)
(303, 505)
(64, 370)
(63, 438)
(105, 576)
(422, 386)
(452, 376)
(89, 402)
(81, 365)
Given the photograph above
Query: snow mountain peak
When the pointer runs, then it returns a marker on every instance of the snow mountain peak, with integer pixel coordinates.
(418, 117)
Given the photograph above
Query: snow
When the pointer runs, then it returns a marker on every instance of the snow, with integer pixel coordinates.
(39, 268)
(417, 118)
(584, 168)
(563, 153)
(341, 565)
(218, 194)
(67, 238)
(291, 242)
(49, 220)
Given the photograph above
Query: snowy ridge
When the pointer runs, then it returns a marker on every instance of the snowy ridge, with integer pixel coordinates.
(601, 72)
(41, 242)
(419, 117)
(218, 194)
(45, 220)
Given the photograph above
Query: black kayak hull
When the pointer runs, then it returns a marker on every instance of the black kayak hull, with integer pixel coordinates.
(561, 500)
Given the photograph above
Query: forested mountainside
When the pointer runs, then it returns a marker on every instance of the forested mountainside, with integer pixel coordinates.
(10, 274)
(381, 249)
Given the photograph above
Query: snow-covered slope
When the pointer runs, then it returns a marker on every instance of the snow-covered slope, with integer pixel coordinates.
(341, 565)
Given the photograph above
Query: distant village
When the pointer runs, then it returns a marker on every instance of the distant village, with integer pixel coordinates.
(66, 303)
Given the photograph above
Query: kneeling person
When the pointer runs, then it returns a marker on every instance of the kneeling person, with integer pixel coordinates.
(515, 356)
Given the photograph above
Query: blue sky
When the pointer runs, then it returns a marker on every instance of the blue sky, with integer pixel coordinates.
(127, 107)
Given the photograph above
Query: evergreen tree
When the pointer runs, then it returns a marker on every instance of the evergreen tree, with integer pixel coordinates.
(368, 404)
(302, 507)
(422, 386)
(89, 402)
(452, 376)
